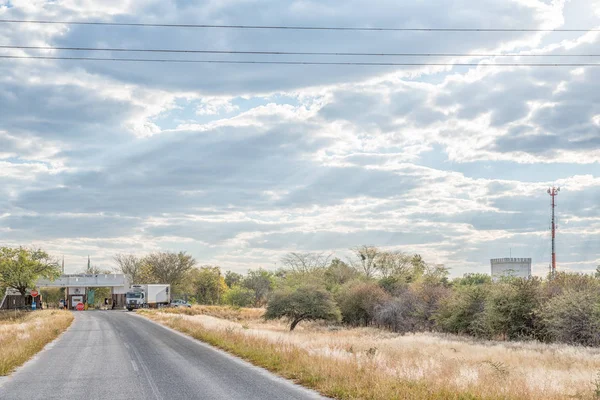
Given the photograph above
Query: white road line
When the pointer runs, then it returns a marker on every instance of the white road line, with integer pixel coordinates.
(135, 368)
(147, 374)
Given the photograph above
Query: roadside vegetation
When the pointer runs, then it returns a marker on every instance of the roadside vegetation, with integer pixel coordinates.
(396, 292)
(23, 334)
(386, 324)
(370, 363)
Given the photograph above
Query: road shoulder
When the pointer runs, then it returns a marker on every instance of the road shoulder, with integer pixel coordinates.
(239, 361)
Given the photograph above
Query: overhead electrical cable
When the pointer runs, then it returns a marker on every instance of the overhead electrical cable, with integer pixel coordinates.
(292, 27)
(398, 64)
(296, 53)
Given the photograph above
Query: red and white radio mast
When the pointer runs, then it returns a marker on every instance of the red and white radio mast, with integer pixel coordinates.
(553, 192)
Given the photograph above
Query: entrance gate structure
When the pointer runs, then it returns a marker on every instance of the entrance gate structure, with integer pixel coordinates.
(77, 287)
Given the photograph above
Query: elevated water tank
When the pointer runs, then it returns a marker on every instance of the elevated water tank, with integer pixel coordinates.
(517, 267)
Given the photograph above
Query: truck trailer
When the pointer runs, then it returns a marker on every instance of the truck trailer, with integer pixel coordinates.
(147, 296)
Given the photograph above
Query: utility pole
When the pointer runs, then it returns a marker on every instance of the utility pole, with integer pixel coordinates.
(553, 192)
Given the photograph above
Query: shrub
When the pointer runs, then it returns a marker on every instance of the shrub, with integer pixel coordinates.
(512, 309)
(358, 301)
(306, 303)
(400, 314)
(239, 297)
(574, 317)
(463, 311)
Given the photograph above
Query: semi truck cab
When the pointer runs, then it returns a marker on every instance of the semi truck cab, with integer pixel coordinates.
(134, 300)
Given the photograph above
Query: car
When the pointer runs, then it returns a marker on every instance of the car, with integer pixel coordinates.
(180, 303)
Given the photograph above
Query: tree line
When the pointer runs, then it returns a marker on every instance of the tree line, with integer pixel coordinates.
(387, 289)
(403, 293)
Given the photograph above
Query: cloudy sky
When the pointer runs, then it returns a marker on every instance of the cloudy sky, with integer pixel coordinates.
(239, 164)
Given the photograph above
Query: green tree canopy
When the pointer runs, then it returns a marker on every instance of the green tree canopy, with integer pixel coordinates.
(261, 283)
(307, 303)
(209, 284)
(233, 278)
(474, 278)
(20, 268)
(239, 296)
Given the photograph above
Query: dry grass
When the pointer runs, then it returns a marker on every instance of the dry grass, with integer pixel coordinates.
(368, 363)
(23, 334)
(228, 313)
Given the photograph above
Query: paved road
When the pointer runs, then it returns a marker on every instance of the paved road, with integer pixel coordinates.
(118, 355)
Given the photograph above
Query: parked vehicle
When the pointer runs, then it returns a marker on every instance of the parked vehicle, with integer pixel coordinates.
(147, 296)
(180, 303)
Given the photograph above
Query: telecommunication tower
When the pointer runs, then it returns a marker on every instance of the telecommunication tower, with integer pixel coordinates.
(553, 192)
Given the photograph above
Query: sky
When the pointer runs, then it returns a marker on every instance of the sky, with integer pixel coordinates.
(239, 164)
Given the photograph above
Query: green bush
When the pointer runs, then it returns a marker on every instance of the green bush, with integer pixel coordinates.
(574, 317)
(463, 311)
(239, 297)
(512, 309)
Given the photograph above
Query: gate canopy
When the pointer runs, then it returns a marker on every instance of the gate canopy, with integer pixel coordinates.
(86, 280)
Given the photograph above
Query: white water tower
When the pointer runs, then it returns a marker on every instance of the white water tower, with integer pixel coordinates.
(517, 267)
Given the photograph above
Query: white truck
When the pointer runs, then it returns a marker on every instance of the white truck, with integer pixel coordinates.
(147, 296)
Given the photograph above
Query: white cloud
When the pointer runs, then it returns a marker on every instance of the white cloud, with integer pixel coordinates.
(240, 164)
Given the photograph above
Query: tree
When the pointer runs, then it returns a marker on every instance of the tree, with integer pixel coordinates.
(146, 274)
(233, 278)
(52, 295)
(130, 265)
(168, 267)
(209, 284)
(306, 263)
(473, 279)
(358, 300)
(338, 273)
(394, 263)
(432, 289)
(307, 303)
(261, 283)
(398, 270)
(239, 296)
(365, 259)
(21, 268)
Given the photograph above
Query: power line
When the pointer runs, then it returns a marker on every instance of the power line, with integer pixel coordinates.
(164, 60)
(287, 27)
(296, 53)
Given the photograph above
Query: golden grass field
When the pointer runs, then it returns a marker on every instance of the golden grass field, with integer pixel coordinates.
(368, 363)
(23, 334)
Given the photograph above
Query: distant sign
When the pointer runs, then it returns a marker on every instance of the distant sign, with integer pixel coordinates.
(33, 306)
(80, 306)
(34, 293)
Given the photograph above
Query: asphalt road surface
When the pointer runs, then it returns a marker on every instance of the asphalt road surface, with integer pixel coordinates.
(118, 355)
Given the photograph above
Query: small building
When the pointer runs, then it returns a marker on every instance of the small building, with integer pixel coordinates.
(516, 267)
(12, 299)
